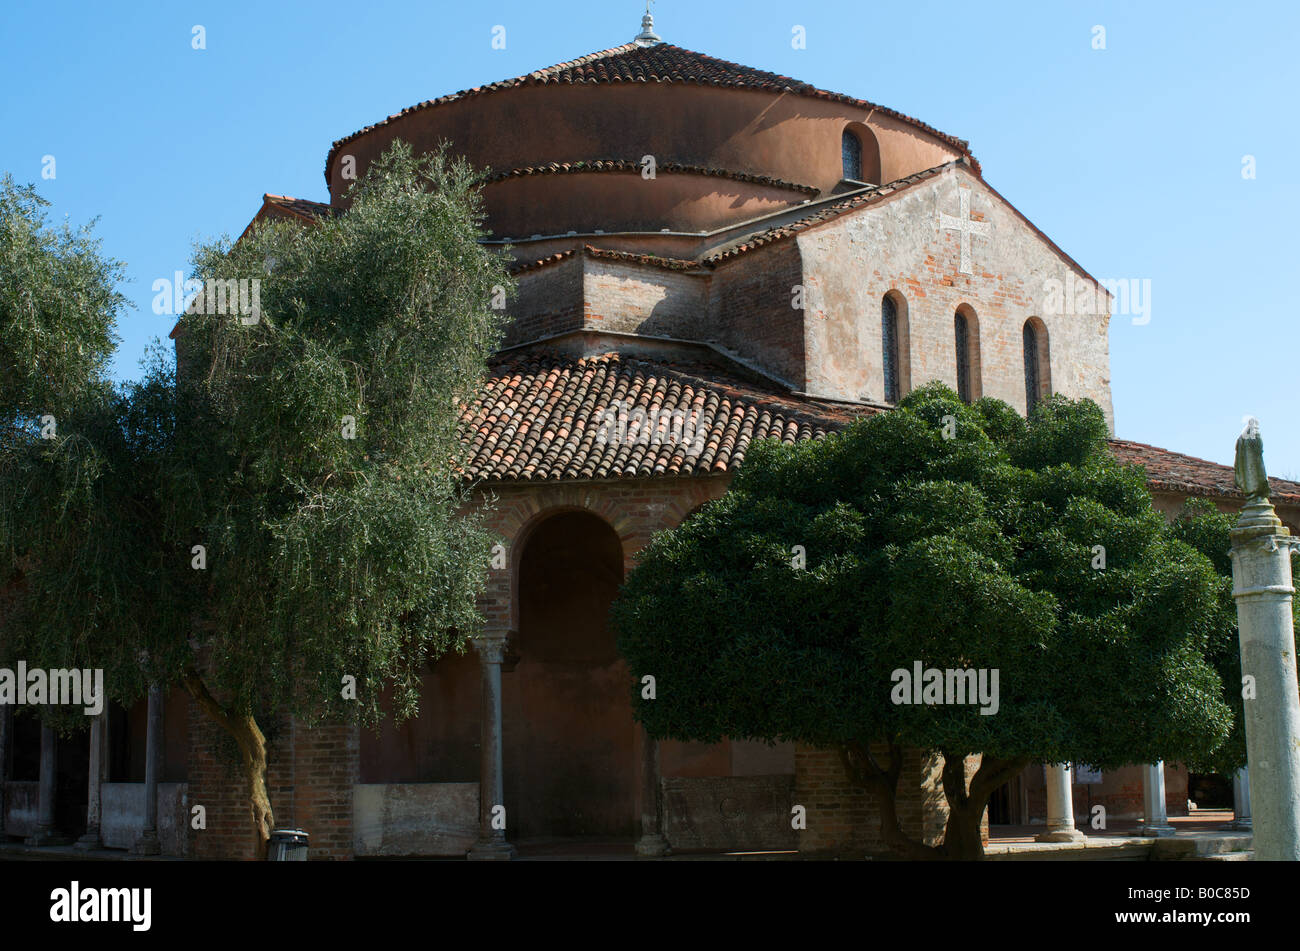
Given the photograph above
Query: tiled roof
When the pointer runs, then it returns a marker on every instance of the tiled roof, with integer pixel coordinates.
(826, 213)
(539, 417)
(629, 257)
(283, 205)
(1176, 472)
(671, 168)
(310, 210)
(661, 63)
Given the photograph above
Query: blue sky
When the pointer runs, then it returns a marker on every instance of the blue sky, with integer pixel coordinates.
(1129, 157)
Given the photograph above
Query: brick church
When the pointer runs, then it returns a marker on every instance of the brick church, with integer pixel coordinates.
(692, 239)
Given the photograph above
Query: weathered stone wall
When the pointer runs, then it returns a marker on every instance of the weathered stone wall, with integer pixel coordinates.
(851, 262)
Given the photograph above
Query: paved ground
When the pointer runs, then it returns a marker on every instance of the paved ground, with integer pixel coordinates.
(1203, 835)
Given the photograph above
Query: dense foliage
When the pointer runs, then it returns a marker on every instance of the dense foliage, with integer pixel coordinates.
(953, 535)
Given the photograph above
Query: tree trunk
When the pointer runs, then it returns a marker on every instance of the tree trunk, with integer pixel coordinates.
(252, 748)
(865, 771)
(962, 840)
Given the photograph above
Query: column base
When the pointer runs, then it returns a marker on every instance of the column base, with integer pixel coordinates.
(491, 850)
(1060, 835)
(1157, 831)
(45, 837)
(1240, 825)
(89, 842)
(147, 844)
(652, 846)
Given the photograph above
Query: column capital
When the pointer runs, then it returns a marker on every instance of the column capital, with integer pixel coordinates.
(491, 645)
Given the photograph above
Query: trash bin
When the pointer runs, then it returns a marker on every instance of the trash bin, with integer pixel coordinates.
(287, 845)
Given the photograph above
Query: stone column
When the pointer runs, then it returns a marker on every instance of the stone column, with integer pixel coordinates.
(1060, 806)
(6, 731)
(652, 843)
(98, 766)
(1262, 587)
(147, 843)
(491, 844)
(1241, 800)
(45, 795)
(1155, 820)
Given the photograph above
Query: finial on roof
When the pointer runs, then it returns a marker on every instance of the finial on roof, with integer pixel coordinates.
(647, 36)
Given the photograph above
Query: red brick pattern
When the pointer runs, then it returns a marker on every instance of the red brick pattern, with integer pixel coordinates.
(843, 818)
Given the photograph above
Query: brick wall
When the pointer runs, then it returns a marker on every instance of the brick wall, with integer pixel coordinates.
(844, 818)
(655, 301)
(751, 310)
(546, 301)
(310, 775)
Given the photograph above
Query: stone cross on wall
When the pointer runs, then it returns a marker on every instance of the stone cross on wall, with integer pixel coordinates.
(967, 228)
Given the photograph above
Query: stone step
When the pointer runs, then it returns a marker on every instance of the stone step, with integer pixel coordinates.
(1201, 845)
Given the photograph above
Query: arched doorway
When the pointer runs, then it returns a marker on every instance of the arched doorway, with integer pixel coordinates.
(569, 738)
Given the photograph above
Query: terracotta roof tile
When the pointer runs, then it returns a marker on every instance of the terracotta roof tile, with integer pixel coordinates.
(547, 417)
(626, 166)
(542, 416)
(826, 213)
(1176, 472)
(301, 207)
(630, 257)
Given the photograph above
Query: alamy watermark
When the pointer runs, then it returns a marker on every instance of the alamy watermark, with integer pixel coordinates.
(624, 424)
(1131, 296)
(214, 296)
(951, 686)
(60, 687)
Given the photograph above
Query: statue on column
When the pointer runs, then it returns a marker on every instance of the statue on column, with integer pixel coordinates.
(1249, 471)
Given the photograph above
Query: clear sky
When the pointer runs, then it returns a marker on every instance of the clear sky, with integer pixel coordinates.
(1129, 157)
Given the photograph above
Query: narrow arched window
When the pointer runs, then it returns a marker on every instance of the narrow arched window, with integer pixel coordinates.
(851, 154)
(889, 347)
(1033, 373)
(962, 331)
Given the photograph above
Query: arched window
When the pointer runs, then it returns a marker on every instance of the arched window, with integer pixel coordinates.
(1037, 382)
(962, 331)
(889, 347)
(851, 153)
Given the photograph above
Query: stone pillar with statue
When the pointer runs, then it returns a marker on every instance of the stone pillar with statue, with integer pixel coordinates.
(1262, 587)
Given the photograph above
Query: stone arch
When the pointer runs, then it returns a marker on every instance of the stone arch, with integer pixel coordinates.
(966, 329)
(570, 743)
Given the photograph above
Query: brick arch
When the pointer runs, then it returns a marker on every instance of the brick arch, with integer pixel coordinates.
(526, 526)
(569, 736)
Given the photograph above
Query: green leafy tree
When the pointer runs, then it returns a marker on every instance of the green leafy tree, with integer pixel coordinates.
(61, 448)
(1208, 530)
(300, 540)
(958, 536)
(59, 307)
